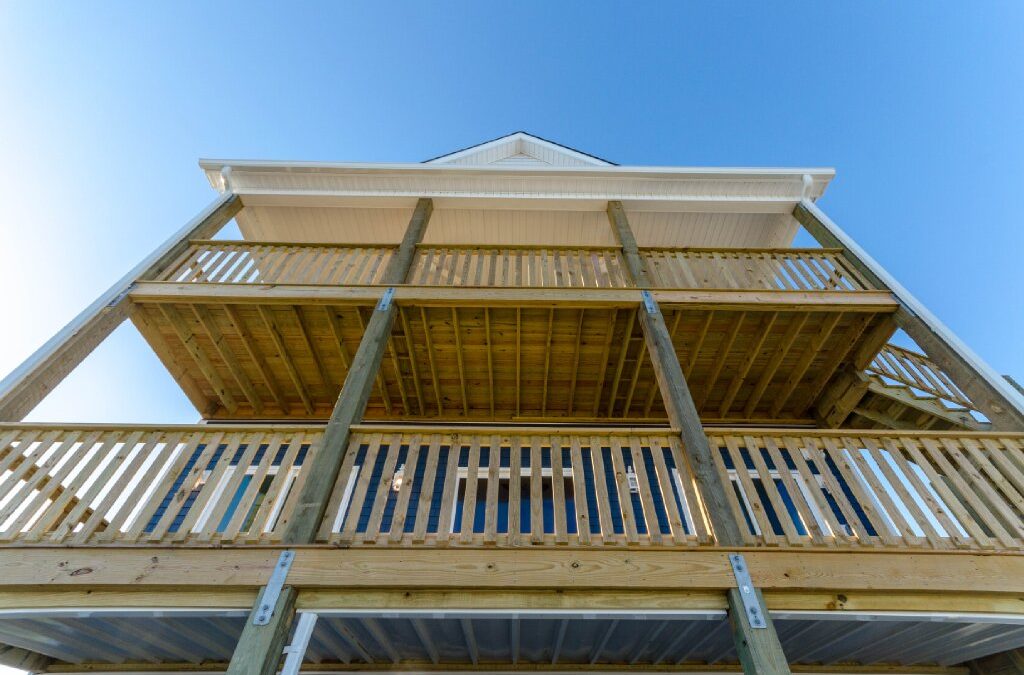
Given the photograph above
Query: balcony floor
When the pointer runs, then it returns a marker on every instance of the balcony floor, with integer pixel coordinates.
(510, 355)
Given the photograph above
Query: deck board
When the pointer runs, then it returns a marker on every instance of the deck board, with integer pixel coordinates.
(504, 360)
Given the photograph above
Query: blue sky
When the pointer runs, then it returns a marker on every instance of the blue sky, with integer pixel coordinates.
(106, 108)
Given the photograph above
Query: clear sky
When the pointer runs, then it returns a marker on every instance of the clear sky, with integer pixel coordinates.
(106, 108)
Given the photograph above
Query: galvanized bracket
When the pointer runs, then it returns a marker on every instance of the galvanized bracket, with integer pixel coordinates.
(755, 612)
(272, 591)
(384, 304)
(649, 305)
(121, 296)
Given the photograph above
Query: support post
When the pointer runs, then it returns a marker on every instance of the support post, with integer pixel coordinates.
(1003, 406)
(260, 648)
(682, 412)
(316, 491)
(29, 383)
(759, 649)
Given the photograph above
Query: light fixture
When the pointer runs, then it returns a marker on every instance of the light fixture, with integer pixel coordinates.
(634, 482)
(396, 482)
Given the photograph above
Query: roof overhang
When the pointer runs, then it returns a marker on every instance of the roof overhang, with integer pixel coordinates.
(670, 185)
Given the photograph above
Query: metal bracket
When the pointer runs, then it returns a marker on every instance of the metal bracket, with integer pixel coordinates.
(384, 304)
(649, 305)
(121, 296)
(272, 591)
(755, 612)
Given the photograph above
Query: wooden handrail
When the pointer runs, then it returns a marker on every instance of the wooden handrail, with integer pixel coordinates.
(917, 371)
(211, 485)
(520, 266)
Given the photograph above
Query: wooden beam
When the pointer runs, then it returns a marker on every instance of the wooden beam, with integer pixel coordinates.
(682, 412)
(206, 367)
(259, 649)
(759, 650)
(256, 358)
(547, 297)
(990, 393)
(31, 381)
(408, 666)
(206, 320)
(365, 368)
(152, 568)
(285, 357)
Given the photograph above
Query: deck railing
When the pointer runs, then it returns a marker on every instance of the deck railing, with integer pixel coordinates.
(885, 489)
(524, 266)
(239, 262)
(781, 269)
(520, 489)
(408, 487)
(87, 485)
(903, 366)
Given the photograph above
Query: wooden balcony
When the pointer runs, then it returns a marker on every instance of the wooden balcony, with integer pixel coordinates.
(491, 334)
(415, 487)
(240, 262)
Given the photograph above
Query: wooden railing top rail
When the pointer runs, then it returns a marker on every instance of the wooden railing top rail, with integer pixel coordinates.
(519, 247)
(289, 244)
(743, 249)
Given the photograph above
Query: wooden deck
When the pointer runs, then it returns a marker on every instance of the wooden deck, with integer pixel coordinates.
(759, 343)
(95, 485)
(502, 362)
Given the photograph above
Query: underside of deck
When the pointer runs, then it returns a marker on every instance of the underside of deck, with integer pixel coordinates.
(508, 357)
(437, 640)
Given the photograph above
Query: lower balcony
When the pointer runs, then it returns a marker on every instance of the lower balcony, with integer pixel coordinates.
(142, 548)
(230, 485)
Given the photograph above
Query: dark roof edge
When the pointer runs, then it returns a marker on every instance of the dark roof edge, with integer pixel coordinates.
(513, 133)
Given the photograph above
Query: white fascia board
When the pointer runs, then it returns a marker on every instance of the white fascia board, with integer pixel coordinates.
(214, 167)
(448, 180)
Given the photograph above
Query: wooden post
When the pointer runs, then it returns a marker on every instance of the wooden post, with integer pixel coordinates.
(759, 649)
(992, 395)
(259, 649)
(30, 382)
(682, 412)
(316, 491)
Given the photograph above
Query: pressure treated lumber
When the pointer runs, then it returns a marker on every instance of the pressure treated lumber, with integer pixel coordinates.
(1000, 409)
(260, 648)
(682, 411)
(24, 388)
(173, 570)
(759, 650)
(312, 503)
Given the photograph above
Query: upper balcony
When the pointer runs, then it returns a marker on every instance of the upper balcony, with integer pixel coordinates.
(503, 333)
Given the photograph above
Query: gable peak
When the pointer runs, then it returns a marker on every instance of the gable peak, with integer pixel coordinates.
(519, 149)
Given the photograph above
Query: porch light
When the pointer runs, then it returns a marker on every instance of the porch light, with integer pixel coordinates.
(634, 482)
(396, 481)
